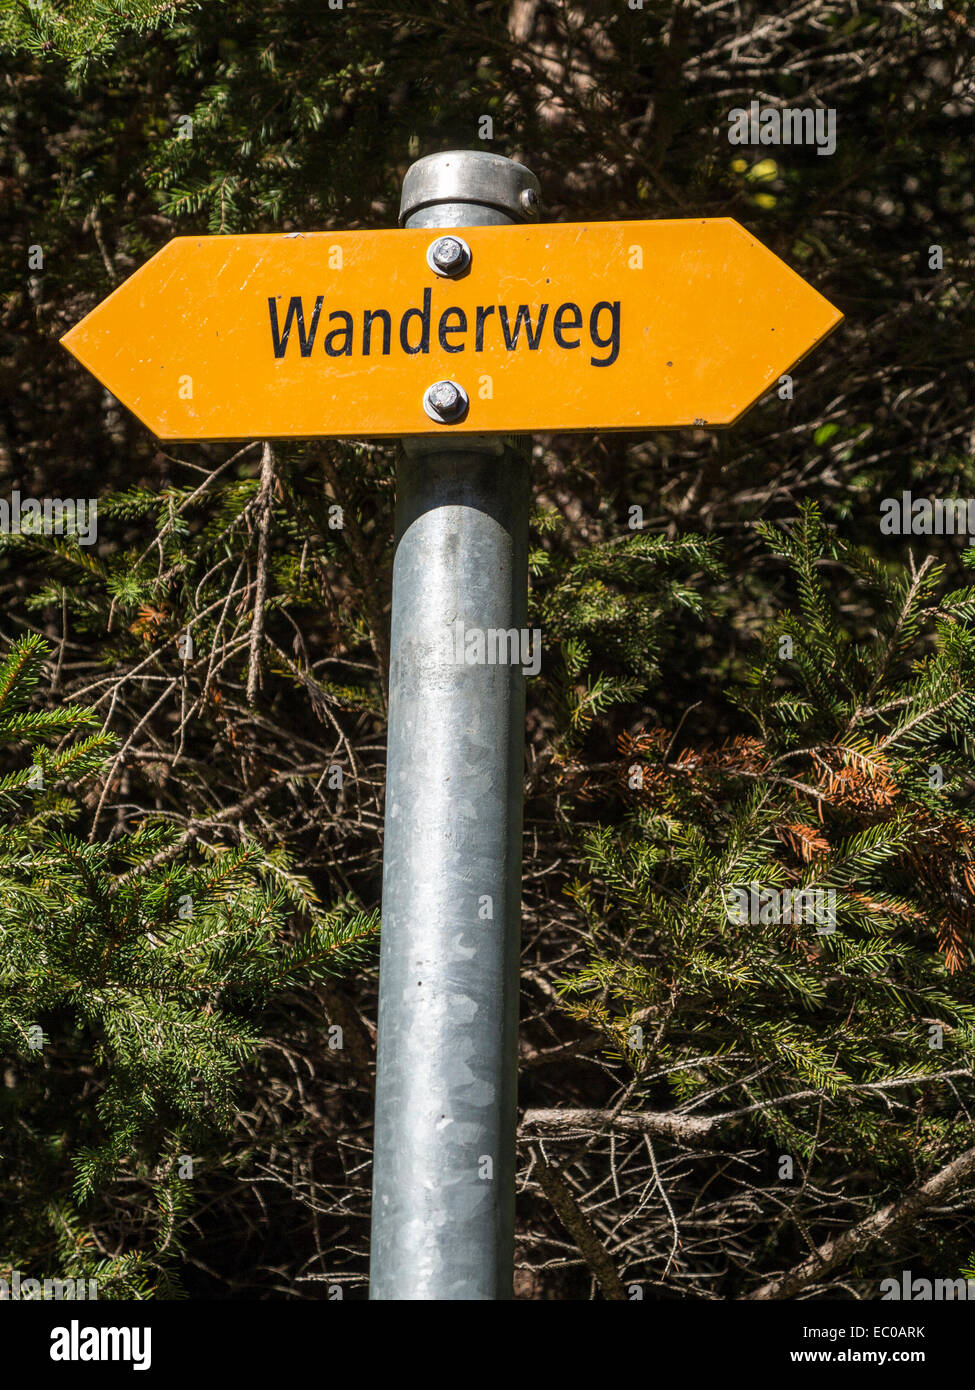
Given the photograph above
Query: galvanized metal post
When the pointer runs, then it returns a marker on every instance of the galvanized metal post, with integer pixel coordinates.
(443, 1187)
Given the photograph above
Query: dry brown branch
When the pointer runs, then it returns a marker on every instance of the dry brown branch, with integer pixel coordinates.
(884, 1225)
(574, 1220)
(263, 511)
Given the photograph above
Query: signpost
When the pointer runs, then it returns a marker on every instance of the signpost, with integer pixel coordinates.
(459, 335)
(589, 326)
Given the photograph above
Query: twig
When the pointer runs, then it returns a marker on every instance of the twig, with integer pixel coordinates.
(263, 509)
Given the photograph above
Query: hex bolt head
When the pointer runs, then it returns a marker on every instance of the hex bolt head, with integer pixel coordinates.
(528, 199)
(445, 402)
(449, 255)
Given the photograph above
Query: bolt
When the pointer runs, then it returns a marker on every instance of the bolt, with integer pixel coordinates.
(445, 401)
(449, 256)
(445, 398)
(447, 253)
(529, 201)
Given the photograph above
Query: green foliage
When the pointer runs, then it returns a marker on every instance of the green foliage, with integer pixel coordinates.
(132, 985)
(608, 611)
(822, 1044)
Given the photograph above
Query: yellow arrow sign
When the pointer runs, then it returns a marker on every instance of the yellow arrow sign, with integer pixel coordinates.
(565, 326)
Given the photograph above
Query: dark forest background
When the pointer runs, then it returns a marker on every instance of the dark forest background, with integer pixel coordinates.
(757, 686)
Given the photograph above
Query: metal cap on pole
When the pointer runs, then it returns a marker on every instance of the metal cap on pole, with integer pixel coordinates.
(443, 1185)
(477, 188)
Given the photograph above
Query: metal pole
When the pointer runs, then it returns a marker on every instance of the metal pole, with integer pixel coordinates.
(443, 1186)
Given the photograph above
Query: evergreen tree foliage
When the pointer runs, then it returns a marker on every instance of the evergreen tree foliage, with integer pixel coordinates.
(824, 1042)
(133, 983)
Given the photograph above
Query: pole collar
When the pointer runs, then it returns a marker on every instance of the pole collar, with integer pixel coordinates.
(471, 176)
